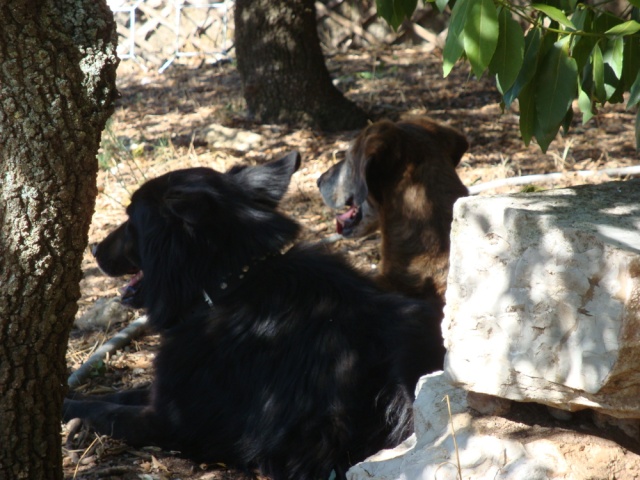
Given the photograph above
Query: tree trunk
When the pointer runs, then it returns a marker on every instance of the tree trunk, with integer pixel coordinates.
(285, 79)
(57, 87)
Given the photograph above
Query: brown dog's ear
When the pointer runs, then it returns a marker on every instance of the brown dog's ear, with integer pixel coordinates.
(382, 155)
(446, 141)
(457, 144)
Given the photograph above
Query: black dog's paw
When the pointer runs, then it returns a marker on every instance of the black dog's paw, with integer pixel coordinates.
(80, 442)
(73, 427)
(77, 431)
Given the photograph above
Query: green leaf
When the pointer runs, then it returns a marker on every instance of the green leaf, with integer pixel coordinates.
(526, 102)
(626, 28)
(634, 93)
(605, 21)
(631, 63)
(554, 14)
(598, 75)
(607, 60)
(529, 64)
(635, 3)
(613, 55)
(581, 18)
(98, 369)
(395, 11)
(616, 87)
(583, 50)
(509, 55)
(441, 4)
(564, 5)
(583, 46)
(549, 38)
(367, 75)
(566, 121)
(638, 130)
(408, 6)
(585, 106)
(481, 35)
(557, 79)
(545, 135)
(454, 46)
(385, 9)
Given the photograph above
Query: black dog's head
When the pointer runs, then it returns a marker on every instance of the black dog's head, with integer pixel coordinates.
(201, 223)
(383, 161)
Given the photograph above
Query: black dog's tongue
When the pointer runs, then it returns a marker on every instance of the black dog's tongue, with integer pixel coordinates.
(129, 291)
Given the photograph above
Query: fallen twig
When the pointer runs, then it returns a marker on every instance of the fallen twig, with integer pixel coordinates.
(333, 238)
(122, 338)
(89, 450)
(453, 435)
(545, 177)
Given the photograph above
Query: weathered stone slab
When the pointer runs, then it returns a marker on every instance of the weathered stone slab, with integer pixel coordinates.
(489, 447)
(543, 298)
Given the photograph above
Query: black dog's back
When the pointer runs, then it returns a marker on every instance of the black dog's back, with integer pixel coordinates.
(314, 369)
(290, 362)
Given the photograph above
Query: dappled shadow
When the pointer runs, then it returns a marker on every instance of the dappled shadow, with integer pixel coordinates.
(183, 102)
(557, 295)
(538, 423)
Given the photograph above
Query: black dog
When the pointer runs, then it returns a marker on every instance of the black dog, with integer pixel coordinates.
(282, 360)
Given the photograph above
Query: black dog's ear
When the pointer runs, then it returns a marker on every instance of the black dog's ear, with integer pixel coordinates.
(269, 182)
(191, 204)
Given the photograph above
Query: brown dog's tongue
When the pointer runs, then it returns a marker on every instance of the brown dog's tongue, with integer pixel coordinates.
(344, 218)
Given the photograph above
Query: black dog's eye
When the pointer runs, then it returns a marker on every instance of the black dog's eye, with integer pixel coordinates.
(130, 245)
(130, 236)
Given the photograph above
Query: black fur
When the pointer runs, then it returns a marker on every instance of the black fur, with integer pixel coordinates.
(299, 368)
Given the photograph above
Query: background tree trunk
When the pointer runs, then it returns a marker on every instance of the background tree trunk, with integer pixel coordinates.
(284, 76)
(57, 87)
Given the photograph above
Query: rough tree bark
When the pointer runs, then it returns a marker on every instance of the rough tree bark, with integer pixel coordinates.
(57, 87)
(284, 76)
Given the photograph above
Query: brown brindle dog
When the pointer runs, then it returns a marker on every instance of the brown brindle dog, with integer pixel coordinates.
(401, 178)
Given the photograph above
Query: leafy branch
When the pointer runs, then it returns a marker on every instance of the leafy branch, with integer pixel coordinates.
(545, 55)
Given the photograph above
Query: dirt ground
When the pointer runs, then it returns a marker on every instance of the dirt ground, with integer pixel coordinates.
(161, 123)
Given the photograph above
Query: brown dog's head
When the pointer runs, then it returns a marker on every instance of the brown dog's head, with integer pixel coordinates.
(385, 158)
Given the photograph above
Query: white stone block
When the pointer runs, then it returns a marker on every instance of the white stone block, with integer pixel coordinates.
(543, 298)
(431, 454)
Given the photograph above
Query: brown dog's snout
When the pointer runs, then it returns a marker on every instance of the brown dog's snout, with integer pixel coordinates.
(324, 177)
(331, 185)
